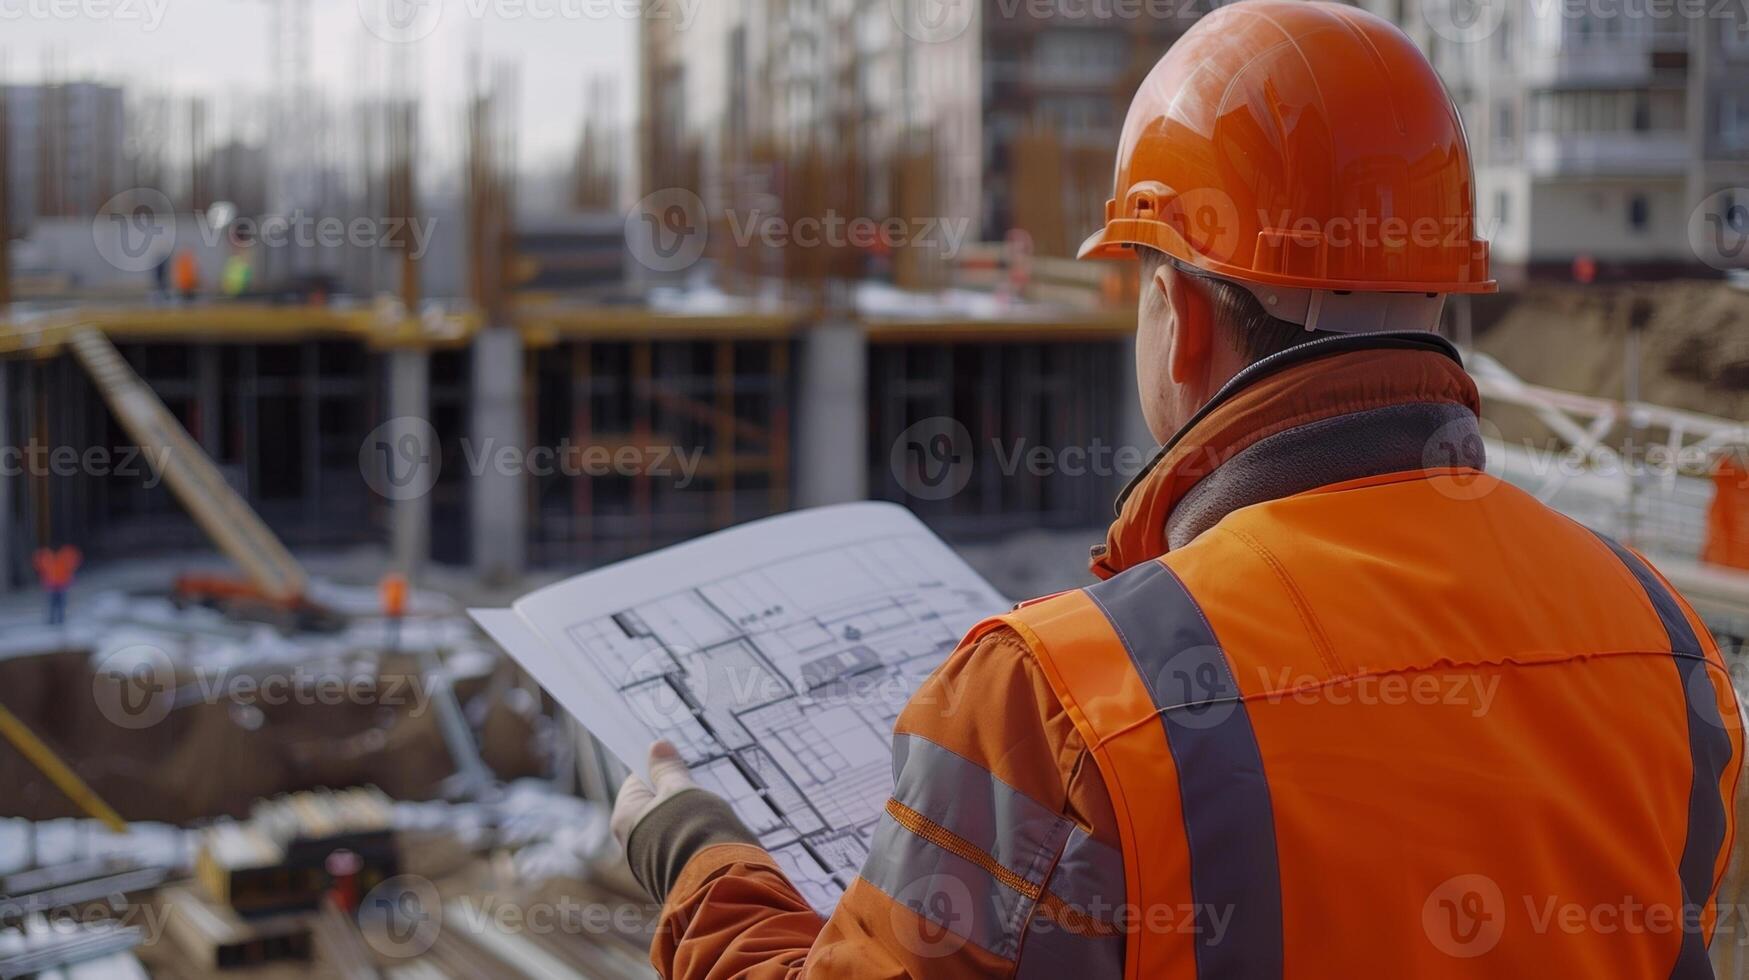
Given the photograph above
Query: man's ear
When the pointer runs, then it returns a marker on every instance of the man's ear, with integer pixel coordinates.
(1192, 324)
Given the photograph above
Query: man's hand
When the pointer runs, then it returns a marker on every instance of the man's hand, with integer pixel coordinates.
(637, 798)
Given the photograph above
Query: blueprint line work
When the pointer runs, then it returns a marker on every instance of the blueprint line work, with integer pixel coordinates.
(776, 657)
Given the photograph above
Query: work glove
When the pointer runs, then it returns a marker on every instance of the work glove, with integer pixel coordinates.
(637, 798)
(660, 832)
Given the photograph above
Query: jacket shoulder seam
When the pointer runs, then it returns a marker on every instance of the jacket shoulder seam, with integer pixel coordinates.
(1308, 617)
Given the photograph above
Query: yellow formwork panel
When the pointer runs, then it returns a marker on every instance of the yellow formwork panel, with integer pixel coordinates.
(542, 324)
(236, 323)
(1113, 324)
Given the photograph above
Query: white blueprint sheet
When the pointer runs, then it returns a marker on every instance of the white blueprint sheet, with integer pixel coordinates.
(775, 656)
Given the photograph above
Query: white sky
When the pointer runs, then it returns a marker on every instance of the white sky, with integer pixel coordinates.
(221, 48)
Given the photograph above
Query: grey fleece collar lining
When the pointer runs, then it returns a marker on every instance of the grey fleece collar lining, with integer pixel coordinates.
(1392, 439)
(1311, 350)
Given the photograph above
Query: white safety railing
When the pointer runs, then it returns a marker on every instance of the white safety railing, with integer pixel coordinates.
(1655, 496)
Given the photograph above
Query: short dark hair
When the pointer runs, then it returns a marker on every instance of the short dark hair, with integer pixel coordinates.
(1239, 315)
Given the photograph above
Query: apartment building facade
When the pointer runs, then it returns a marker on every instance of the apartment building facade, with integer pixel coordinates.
(1010, 109)
(1058, 78)
(1603, 129)
(64, 145)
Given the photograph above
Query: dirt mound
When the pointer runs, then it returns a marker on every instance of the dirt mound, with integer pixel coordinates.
(1695, 353)
(220, 753)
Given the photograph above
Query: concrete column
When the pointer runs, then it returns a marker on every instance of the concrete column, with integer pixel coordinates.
(831, 459)
(7, 440)
(498, 495)
(410, 412)
(209, 392)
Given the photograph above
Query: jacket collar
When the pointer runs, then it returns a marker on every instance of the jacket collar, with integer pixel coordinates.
(1322, 413)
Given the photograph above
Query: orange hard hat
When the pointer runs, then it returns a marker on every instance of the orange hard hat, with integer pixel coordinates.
(1304, 146)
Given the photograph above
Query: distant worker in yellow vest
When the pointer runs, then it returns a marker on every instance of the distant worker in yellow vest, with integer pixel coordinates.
(1342, 705)
(238, 275)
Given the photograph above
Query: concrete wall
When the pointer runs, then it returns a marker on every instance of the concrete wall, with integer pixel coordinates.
(7, 556)
(68, 249)
(1573, 216)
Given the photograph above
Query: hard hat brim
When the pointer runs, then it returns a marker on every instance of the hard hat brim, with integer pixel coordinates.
(1119, 239)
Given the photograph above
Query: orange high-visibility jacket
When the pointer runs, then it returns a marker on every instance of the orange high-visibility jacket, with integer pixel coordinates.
(1727, 526)
(55, 566)
(1342, 706)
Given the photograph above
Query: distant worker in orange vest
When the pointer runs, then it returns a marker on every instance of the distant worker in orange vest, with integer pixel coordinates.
(1727, 537)
(1342, 705)
(393, 593)
(187, 274)
(54, 569)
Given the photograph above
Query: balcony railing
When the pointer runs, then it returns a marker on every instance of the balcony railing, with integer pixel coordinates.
(1655, 153)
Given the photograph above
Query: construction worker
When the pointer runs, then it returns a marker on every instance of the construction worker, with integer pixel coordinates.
(1343, 705)
(237, 275)
(187, 275)
(54, 569)
(1727, 524)
(392, 592)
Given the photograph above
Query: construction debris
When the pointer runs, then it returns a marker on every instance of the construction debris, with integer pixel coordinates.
(215, 937)
(41, 948)
(277, 861)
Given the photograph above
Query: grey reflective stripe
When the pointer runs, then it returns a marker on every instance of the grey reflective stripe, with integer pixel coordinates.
(1088, 879)
(1709, 750)
(947, 890)
(1089, 876)
(1229, 823)
(1052, 952)
(1005, 826)
(968, 800)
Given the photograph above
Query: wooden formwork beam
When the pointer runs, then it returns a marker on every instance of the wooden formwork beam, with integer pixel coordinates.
(221, 512)
(62, 775)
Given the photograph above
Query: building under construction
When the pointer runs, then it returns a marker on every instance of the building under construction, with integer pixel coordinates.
(533, 391)
(652, 428)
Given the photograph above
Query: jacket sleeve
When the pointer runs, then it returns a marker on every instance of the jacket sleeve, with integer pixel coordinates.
(989, 789)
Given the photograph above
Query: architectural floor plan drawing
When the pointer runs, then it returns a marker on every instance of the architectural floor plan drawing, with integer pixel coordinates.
(775, 656)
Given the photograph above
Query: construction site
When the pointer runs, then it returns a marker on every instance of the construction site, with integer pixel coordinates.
(288, 382)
